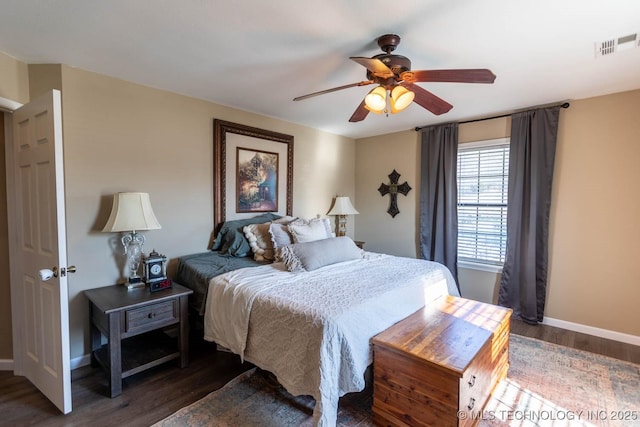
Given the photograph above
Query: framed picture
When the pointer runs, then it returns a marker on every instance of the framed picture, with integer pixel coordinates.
(256, 180)
(233, 145)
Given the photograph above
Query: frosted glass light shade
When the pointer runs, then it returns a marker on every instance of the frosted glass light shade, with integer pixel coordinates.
(376, 100)
(401, 98)
(130, 212)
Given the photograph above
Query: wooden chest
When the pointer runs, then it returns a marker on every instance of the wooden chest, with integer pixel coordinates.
(445, 358)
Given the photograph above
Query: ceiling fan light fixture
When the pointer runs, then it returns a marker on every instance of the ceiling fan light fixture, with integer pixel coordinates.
(401, 98)
(376, 100)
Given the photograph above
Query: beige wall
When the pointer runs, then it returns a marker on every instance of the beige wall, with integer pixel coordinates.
(376, 158)
(14, 85)
(14, 79)
(43, 78)
(595, 230)
(594, 227)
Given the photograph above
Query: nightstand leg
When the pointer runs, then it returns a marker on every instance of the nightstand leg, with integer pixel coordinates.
(94, 337)
(183, 335)
(115, 355)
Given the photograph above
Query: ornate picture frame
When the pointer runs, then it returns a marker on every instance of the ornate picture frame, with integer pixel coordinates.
(227, 137)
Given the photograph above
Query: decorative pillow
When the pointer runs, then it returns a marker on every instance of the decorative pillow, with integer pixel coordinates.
(308, 256)
(230, 238)
(260, 240)
(280, 235)
(311, 230)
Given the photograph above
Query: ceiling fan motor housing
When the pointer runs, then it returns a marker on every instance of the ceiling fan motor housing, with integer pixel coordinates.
(388, 42)
(398, 64)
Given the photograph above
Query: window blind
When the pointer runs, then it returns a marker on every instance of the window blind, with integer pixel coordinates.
(483, 174)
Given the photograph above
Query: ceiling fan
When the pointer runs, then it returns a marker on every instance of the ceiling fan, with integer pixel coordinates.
(392, 73)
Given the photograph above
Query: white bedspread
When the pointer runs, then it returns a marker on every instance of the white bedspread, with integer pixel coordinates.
(312, 329)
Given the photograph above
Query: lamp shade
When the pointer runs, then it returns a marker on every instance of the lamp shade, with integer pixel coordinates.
(131, 212)
(376, 100)
(401, 98)
(342, 206)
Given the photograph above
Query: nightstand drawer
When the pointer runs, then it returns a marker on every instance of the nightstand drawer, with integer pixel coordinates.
(151, 317)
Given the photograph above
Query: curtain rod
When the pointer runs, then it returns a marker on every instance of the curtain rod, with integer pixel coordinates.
(563, 105)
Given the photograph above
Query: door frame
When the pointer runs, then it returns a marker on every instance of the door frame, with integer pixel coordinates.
(7, 107)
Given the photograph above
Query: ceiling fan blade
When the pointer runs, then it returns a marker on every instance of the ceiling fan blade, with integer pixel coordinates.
(377, 67)
(427, 100)
(360, 114)
(322, 92)
(472, 75)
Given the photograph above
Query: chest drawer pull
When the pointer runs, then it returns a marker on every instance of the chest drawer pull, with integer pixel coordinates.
(472, 381)
(151, 315)
(472, 402)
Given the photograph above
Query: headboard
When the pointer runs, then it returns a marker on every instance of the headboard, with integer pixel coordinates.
(229, 141)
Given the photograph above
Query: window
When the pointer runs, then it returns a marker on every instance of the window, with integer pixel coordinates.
(483, 173)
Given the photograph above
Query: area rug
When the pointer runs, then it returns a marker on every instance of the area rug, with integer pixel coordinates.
(547, 385)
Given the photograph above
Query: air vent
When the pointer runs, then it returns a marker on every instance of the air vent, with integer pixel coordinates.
(611, 46)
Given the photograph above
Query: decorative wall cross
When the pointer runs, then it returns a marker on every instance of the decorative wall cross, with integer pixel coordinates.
(393, 189)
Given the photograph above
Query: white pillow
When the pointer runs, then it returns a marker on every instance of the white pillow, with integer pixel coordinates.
(309, 231)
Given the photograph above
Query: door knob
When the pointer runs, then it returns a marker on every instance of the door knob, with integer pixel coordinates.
(70, 269)
(47, 274)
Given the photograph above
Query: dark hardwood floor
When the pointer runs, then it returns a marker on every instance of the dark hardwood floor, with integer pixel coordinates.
(606, 347)
(146, 397)
(150, 396)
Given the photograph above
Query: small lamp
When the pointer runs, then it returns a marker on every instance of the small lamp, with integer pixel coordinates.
(132, 212)
(342, 207)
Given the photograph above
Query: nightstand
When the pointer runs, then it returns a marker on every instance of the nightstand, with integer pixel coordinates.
(135, 324)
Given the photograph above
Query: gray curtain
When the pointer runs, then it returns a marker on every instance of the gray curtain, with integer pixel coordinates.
(532, 153)
(439, 196)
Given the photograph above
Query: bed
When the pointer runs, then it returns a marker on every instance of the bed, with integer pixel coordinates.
(307, 305)
(308, 316)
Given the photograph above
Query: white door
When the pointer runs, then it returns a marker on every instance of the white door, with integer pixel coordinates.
(38, 241)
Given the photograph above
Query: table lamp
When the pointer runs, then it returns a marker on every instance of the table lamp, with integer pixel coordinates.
(132, 212)
(341, 208)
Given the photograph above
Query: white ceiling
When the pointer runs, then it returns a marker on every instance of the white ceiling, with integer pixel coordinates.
(258, 55)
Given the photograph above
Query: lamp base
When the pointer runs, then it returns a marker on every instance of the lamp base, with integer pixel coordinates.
(134, 283)
(133, 249)
(341, 225)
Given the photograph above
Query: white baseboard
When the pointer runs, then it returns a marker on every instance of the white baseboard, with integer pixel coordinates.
(78, 362)
(592, 330)
(6, 364)
(84, 360)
